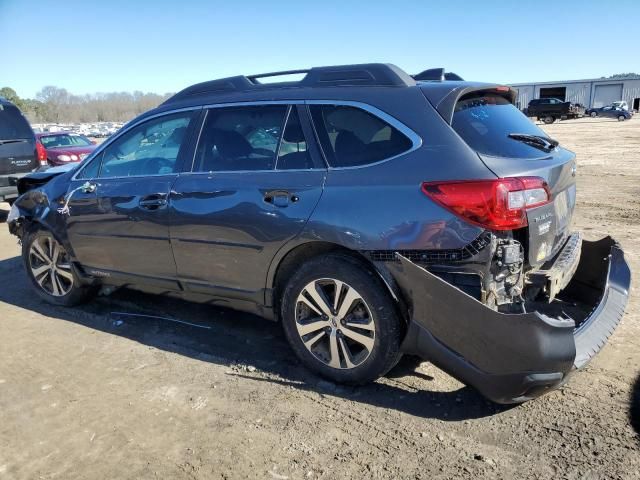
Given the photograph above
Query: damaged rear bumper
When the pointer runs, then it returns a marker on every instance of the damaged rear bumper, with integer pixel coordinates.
(512, 358)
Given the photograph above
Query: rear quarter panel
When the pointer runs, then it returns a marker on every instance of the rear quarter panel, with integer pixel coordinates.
(381, 206)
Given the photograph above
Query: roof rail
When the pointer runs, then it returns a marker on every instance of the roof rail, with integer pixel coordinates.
(368, 74)
(254, 78)
(436, 74)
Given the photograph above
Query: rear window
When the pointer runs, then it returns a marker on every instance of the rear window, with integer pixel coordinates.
(485, 121)
(55, 141)
(352, 137)
(12, 124)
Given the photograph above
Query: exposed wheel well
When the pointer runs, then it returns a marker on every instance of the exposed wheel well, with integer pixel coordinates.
(298, 255)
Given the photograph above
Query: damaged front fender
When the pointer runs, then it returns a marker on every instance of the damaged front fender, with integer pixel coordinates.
(508, 357)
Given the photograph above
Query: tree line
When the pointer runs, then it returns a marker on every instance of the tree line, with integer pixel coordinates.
(57, 105)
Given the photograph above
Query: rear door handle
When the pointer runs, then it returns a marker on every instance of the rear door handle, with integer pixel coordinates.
(154, 201)
(280, 198)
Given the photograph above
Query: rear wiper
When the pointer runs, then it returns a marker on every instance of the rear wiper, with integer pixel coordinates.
(16, 140)
(538, 141)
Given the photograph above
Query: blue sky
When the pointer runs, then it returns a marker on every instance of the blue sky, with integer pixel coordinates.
(162, 46)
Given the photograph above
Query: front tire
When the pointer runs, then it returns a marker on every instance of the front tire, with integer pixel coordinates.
(621, 118)
(593, 114)
(340, 320)
(549, 119)
(48, 266)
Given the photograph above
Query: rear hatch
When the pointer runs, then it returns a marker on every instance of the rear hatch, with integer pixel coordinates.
(510, 145)
(17, 142)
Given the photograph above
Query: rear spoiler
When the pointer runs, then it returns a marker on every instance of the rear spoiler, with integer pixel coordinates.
(444, 96)
(437, 75)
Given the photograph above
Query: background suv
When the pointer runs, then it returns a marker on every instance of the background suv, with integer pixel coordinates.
(372, 212)
(18, 153)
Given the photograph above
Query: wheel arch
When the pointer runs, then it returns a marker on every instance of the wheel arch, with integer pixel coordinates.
(286, 264)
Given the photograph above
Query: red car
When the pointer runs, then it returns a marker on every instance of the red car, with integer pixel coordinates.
(60, 148)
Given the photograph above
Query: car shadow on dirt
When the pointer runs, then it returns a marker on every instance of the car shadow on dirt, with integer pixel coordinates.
(634, 412)
(241, 341)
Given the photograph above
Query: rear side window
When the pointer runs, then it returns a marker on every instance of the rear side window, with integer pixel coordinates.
(12, 124)
(240, 138)
(352, 137)
(485, 121)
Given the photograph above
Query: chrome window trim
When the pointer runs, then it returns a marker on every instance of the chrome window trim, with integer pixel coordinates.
(225, 172)
(284, 127)
(203, 120)
(415, 139)
(250, 103)
(133, 124)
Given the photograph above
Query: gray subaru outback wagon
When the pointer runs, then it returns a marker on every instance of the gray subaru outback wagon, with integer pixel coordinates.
(372, 212)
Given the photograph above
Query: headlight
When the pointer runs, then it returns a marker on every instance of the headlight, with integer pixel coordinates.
(64, 158)
(74, 158)
(14, 214)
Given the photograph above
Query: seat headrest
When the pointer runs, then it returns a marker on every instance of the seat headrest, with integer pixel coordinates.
(231, 144)
(294, 134)
(176, 136)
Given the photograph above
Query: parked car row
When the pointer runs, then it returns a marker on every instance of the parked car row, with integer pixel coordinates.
(95, 130)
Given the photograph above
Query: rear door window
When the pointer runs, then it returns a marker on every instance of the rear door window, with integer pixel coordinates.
(484, 122)
(13, 125)
(240, 138)
(351, 136)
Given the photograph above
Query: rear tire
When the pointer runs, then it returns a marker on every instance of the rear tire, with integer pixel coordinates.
(49, 268)
(353, 339)
(549, 119)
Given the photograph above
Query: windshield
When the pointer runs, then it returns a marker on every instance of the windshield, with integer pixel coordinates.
(12, 124)
(485, 122)
(65, 140)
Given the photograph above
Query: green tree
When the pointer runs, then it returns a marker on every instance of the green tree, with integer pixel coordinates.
(625, 75)
(11, 95)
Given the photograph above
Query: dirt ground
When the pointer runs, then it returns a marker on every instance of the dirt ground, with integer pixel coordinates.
(88, 393)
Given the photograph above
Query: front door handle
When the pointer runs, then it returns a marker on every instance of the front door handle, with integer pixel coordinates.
(280, 198)
(153, 202)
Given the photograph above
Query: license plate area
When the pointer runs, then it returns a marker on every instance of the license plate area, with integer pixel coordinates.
(556, 274)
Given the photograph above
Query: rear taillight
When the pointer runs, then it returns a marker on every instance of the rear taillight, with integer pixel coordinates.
(499, 204)
(42, 154)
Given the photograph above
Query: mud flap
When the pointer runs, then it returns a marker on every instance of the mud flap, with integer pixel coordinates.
(514, 357)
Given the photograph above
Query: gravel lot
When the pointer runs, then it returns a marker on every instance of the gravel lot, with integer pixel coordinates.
(86, 393)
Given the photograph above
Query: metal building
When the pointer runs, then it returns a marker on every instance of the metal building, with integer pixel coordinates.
(590, 93)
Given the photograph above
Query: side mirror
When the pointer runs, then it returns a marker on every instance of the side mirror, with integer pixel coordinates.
(88, 187)
(93, 142)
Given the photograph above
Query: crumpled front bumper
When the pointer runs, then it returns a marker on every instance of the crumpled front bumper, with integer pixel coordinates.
(512, 358)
